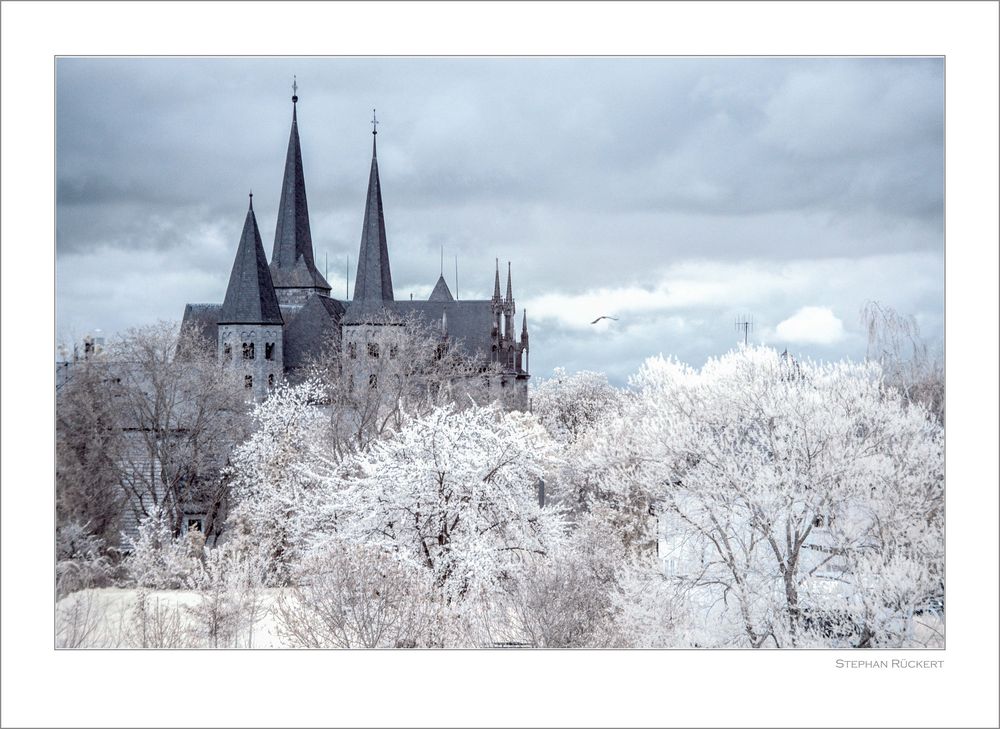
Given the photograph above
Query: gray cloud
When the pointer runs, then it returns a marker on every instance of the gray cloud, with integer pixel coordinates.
(587, 173)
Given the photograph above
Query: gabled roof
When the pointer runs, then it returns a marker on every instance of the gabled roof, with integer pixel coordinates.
(250, 297)
(441, 291)
(311, 330)
(469, 322)
(374, 280)
(203, 319)
(292, 263)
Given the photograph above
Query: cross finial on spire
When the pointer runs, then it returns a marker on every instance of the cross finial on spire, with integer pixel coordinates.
(251, 198)
(374, 123)
(295, 90)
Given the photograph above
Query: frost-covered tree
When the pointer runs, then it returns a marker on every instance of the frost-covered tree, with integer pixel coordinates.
(89, 447)
(788, 489)
(570, 404)
(908, 362)
(182, 412)
(454, 492)
(274, 498)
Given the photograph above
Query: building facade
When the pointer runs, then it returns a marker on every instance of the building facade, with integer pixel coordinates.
(279, 316)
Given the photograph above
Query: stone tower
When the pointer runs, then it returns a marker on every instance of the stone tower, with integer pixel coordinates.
(293, 268)
(250, 334)
(371, 309)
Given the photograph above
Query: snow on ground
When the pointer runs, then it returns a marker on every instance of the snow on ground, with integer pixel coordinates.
(108, 618)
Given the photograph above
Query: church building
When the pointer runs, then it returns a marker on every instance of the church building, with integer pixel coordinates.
(278, 317)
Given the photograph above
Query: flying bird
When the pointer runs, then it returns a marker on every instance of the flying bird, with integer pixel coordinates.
(612, 318)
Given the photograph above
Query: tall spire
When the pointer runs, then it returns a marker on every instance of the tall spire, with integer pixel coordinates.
(292, 263)
(496, 283)
(524, 324)
(510, 295)
(374, 279)
(250, 297)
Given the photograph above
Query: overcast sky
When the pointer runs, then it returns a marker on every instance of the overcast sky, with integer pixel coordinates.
(676, 194)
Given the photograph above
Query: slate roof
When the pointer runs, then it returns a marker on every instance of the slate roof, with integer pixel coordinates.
(469, 322)
(292, 263)
(441, 291)
(374, 280)
(250, 297)
(310, 330)
(205, 318)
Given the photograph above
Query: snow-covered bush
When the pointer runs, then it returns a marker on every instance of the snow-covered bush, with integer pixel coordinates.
(81, 561)
(159, 561)
(357, 596)
(570, 404)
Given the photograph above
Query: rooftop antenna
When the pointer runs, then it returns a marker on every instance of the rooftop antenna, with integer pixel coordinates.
(745, 325)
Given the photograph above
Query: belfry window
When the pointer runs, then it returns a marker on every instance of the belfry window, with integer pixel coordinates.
(248, 350)
(269, 350)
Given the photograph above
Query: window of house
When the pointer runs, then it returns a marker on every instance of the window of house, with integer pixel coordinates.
(352, 350)
(373, 381)
(248, 350)
(819, 522)
(195, 524)
(373, 350)
(227, 351)
(248, 381)
(270, 380)
(269, 350)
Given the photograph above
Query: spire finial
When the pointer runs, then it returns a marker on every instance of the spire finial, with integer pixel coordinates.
(295, 90)
(251, 198)
(374, 123)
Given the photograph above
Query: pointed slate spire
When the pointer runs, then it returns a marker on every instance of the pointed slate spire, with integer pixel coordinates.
(496, 283)
(292, 263)
(510, 295)
(441, 291)
(250, 297)
(524, 324)
(374, 280)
